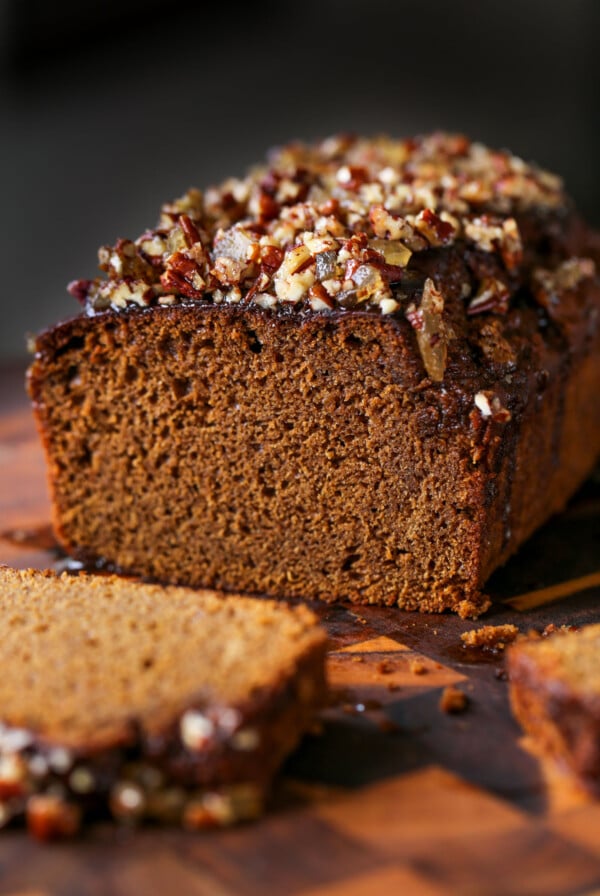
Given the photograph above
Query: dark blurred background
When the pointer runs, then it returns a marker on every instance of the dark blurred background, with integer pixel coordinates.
(109, 108)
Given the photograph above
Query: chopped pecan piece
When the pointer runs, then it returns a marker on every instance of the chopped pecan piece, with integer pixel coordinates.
(490, 405)
(548, 285)
(182, 276)
(492, 295)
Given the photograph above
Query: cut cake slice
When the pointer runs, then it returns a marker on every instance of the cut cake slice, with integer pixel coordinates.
(149, 702)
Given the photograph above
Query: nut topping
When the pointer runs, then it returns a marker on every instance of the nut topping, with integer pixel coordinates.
(127, 800)
(490, 406)
(492, 295)
(60, 760)
(196, 729)
(347, 215)
(13, 740)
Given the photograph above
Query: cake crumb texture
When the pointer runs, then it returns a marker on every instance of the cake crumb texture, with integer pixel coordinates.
(490, 637)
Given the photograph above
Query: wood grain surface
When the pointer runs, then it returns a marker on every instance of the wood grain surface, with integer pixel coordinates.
(395, 796)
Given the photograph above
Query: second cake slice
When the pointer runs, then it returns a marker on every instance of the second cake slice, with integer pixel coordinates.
(164, 703)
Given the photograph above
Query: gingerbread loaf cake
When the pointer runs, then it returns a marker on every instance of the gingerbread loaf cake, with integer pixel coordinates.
(144, 702)
(367, 372)
(555, 695)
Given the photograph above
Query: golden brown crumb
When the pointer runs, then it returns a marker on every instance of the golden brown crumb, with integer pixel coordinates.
(385, 667)
(468, 609)
(453, 700)
(552, 629)
(417, 667)
(490, 637)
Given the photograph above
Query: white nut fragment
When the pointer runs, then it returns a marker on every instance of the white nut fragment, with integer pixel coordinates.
(319, 305)
(60, 760)
(196, 729)
(492, 234)
(344, 175)
(388, 306)
(489, 405)
(293, 287)
(81, 780)
(136, 291)
(264, 300)
(481, 401)
(38, 766)
(127, 800)
(228, 719)
(153, 245)
(13, 740)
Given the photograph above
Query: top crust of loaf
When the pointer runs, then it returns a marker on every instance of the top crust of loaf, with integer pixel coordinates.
(448, 235)
(95, 661)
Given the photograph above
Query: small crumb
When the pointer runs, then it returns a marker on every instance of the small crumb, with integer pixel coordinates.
(349, 709)
(393, 686)
(552, 629)
(501, 674)
(417, 667)
(490, 637)
(468, 609)
(357, 658)
(453, 700)
(385, 667)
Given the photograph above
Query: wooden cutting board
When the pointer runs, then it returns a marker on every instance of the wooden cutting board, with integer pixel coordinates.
(395, 796)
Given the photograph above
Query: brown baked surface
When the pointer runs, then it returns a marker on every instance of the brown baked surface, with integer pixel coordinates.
(392, 442)
(205, 691)
(555, 695)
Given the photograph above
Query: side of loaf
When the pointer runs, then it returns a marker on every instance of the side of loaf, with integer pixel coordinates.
(555, 696)
(144, 702)
(366, 372)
